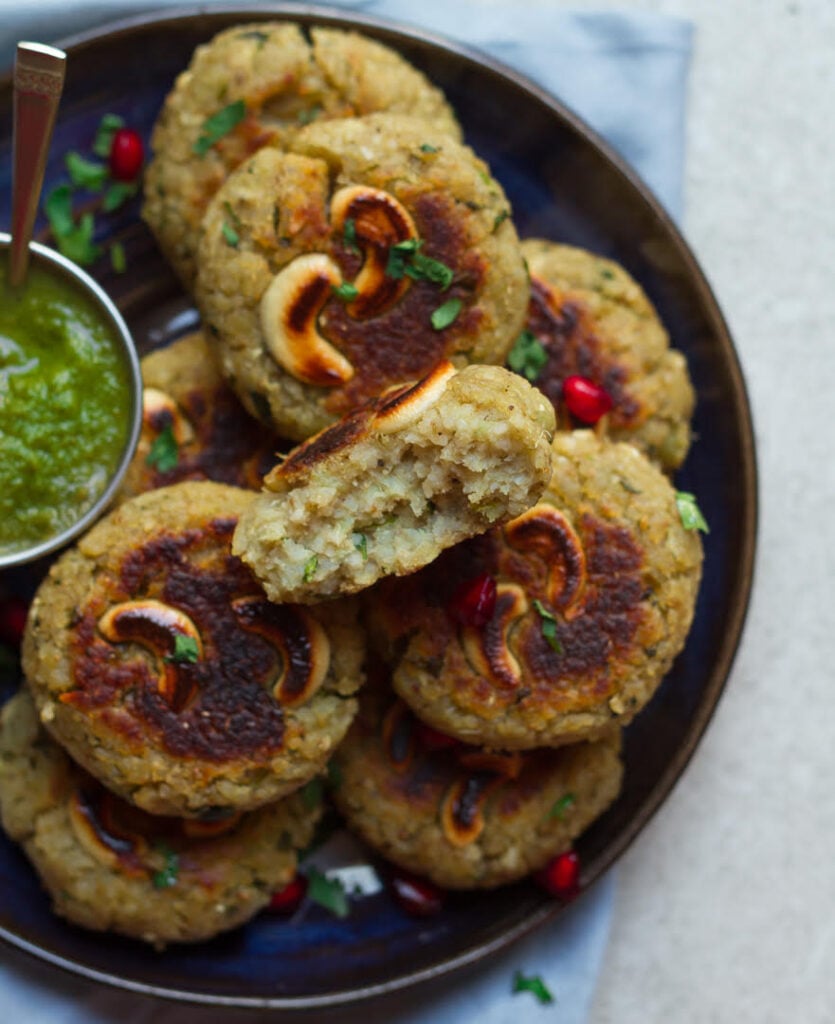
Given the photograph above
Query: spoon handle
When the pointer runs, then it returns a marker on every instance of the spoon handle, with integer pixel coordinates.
(38, 82)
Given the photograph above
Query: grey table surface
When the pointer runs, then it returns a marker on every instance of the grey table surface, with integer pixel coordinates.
(724, 904)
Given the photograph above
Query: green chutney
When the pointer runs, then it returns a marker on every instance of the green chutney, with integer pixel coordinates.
(64, 406)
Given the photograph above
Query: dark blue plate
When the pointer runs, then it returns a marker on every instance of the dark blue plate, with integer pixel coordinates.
(566, 184)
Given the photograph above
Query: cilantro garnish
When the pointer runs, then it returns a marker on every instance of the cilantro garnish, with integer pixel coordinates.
(118, 192)
(426, 147)
(501, 217)
(690, 513)
(167, 875)
(345, 291)
(446, 314)
(117, 257)
(327, 892)
(528, 356)
(549, 626)
(185, 650)
(256, 34)
(399, 256)
(230, 235)
(218, 125)
(349, 235)
(533, 984)
(310, 567)
(425, 268)
(75, 241)
(164, 453)
(562, 806)
(89, 174)
(108, 126)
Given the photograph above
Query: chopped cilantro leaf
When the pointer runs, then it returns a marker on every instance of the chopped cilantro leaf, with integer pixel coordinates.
(218, 125)
(118, 193)
(310, 568)
(117, 257)
(426, 147)
(361, 544)
(533, 984)
(563, 806)
(327, 892)
(501, 217)
(349, 235)
(528, 356)
(258, 36)
(58, 209)
(164, 453)
(399, 257)
(75, 241)
(230, 235)
(185, 650)
(425, 268)
(549, 626)
(446, 314)
(690, 513)
(108, 126)
(89, 174)
(345, 291)
(167, 875)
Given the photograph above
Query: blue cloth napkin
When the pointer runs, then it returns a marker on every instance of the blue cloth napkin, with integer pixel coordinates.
(625, 74)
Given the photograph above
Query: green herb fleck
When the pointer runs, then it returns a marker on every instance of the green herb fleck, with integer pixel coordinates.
(164, 453)
(313, 792)
(533, 984)
(75, 241)
(528, 356)
(563, 806)
(260, 37)
(218, 125)
(690, 513)
(167, 875)
(345, 291)
(310, 568)
(501, 217)
(361, 544)
(230, 235)
(427, 147)
(185, 650)
(349, 235)
(327, 892)
(607, 272)
(549, 626)
(89, 174)
(425, 268)
(629, 487)
(446, 314)
(399, 257)
(117, 194)
(309, 114)
(117, 258)
(108, 126)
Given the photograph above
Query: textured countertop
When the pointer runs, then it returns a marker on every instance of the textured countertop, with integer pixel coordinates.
(724, 904)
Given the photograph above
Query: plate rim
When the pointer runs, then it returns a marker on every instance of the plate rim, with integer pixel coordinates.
(739, 600)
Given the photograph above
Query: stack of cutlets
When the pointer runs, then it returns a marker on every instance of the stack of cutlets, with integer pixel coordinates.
(404, 446)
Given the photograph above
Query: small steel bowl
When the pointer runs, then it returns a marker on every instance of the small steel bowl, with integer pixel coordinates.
(62, 267)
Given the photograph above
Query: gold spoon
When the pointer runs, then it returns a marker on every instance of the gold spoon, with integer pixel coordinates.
(38, 83)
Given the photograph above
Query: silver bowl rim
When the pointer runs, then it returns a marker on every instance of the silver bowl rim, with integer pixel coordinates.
(71, 271)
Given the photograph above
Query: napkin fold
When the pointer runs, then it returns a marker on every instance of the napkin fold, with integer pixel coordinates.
(625, 73)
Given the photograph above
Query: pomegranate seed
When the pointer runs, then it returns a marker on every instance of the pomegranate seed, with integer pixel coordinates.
(561, 875)
(12, 620)
(126, 154)
(474, 601)
(417, 896)
(286, 900)
(432, 739)
(585, 399)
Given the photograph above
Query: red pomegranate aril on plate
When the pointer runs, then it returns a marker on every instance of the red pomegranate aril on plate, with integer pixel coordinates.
(561, 875)
(474, 602)
(417, 896)
(13, 613)
(432, 739)
(286, 900)
(585, 400)
(126, 154)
